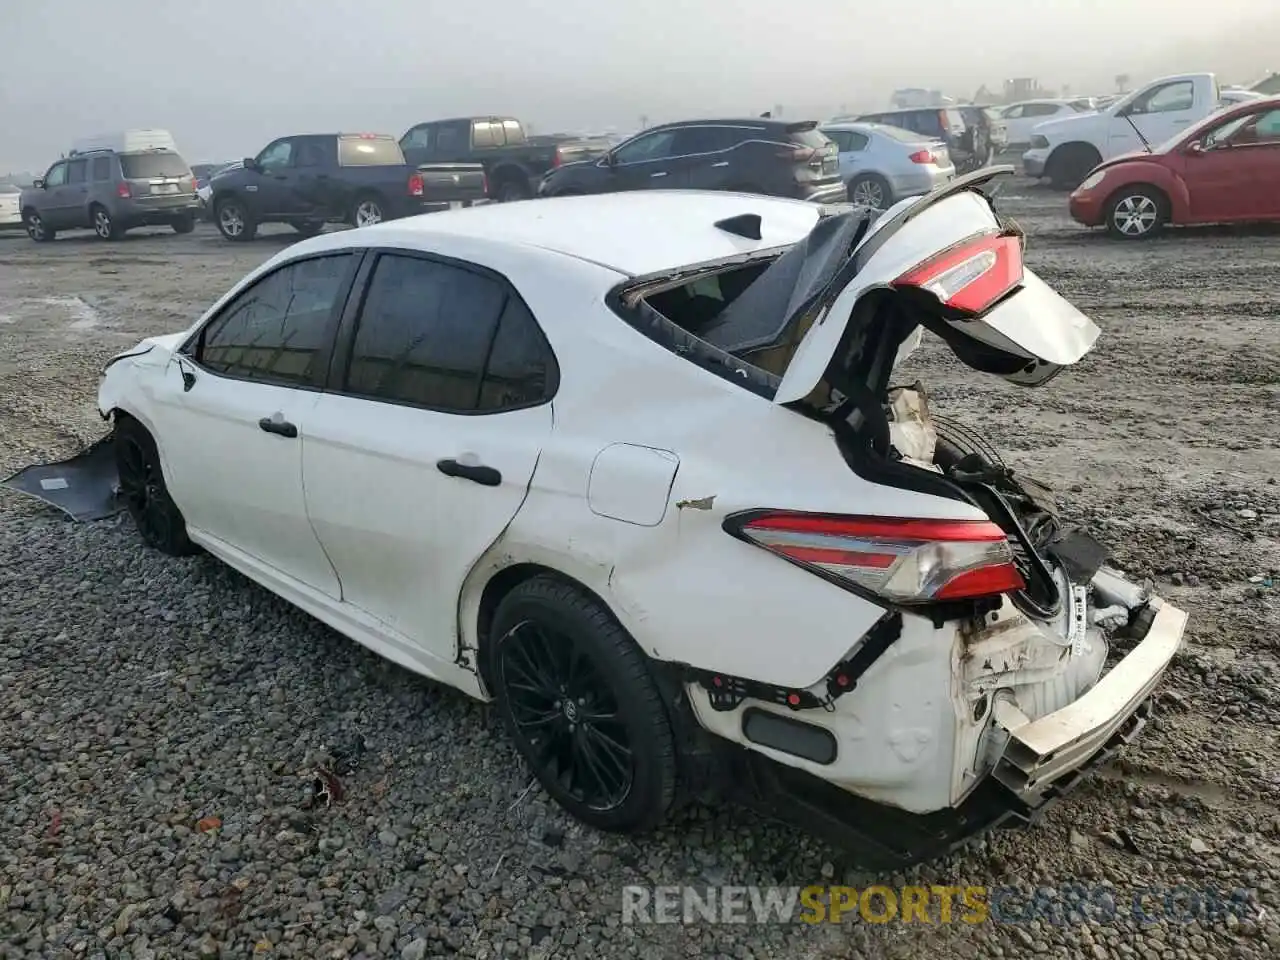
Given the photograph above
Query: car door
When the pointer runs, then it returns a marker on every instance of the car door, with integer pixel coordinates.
(1016, 123)
(274, 182)
(853, 151)
(418, 145)
(77, 194)
(313, 162)
(1235, 173)
(643, 162)
(54, 204)
(235, 409)
(451, 142)
(423, 448)
(703, 158)
(1160, 113)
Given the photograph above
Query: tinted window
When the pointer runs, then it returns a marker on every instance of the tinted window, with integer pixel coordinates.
(102, 168)
(649, 146)
(705, 139)
(56, 176)
(277, 329)
(276, 155)
(425, 330)
(313, 153)
(144, 166)
(1041, 109)
(451, 138)
(78, 171)
(417, 137)
(369, 152)
(521, 368)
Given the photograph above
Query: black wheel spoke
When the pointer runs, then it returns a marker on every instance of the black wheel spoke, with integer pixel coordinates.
(608, 773)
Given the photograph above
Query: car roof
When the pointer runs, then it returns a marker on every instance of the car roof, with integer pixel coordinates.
(868, 126)
(632, 233)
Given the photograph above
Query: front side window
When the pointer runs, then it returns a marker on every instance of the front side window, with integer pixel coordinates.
(651, 146)
(277, 330)
(56, 176)
(1170, 98)
(278, 155)
(438, 336)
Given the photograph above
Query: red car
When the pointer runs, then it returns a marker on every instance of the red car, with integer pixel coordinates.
(1224, 169)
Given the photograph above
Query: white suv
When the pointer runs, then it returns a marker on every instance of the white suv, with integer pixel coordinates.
(631, 466)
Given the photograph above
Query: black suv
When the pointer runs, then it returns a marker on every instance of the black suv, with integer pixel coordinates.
(965, 130)
(747, 156)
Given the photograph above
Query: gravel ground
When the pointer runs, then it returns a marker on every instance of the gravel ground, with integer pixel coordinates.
(160, 720)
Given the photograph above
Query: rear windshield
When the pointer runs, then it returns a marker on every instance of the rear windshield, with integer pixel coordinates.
(809, 138)
(362, 152)
(906, 136)
(144, 166)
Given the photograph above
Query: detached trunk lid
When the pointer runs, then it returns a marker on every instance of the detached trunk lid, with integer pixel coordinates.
(1027, 337)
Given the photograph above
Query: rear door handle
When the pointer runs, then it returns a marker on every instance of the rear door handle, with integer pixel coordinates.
(661, 173)
(485, 476)
(722, 163)
(279, 426)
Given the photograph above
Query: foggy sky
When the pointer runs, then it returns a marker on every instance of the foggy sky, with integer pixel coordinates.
(226, 76)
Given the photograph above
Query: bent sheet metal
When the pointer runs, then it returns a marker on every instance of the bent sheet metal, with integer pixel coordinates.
(84, 487)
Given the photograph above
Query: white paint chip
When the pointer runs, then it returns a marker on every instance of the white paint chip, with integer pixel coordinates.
(54, 483)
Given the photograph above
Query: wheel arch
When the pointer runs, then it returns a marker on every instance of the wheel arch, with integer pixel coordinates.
(509, 170)
(1071, 146)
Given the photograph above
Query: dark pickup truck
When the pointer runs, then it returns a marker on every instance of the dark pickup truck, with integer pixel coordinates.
(310, 180)
(514, 161)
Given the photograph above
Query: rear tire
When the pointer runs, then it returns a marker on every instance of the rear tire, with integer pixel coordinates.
(104, 225)
(367, 211)
(309, 228)
(578, 700)
(185, 224)
(234, 220)
(36, 228)
(142, 486)
(1136, 212)
(871, 190)
(511, 189)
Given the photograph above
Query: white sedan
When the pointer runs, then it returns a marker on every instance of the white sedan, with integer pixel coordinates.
(629, 465)
(10, 213)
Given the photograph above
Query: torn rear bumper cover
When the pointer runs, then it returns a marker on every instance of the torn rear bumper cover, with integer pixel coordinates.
(1043, 761)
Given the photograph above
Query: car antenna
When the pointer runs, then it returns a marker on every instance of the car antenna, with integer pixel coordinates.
(743, 225)
(1136, 130)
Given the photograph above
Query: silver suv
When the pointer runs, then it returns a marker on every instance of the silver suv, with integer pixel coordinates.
(111, 192)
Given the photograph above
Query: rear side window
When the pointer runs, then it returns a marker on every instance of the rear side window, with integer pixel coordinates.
(369, 152)
(145, 166)
(690, 140)
(437, 336)
(277, 330)
(101, 169)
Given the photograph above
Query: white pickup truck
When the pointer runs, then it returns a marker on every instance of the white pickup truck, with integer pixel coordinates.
(1066, 149)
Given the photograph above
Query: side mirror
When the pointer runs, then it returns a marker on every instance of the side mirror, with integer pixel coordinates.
(250, 163)
(38, 183)
(1195, 148)
(610, 159)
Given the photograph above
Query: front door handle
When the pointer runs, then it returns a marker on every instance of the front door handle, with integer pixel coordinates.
(722, 163)
(485, 476)
(661, 173)
(278, 425)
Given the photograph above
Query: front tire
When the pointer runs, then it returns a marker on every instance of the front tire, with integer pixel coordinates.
(142, 486)
(1068, 166)
(511, 190)
(36, 228)
(104, 225)
(578, 699)
(871, 190)
(234, 220)
(1136, 213)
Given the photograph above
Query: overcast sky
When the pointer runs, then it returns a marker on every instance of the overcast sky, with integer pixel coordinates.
(226, 76)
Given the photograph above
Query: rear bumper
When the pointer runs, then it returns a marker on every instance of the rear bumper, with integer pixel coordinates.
(834, 192)
(1041, 752)
(919, 182)
(1034, 162)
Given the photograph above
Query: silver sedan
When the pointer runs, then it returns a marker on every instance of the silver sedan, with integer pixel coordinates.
(881, 164)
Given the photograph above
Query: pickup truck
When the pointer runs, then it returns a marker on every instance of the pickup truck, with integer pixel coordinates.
(1065, 150)
(514, 161)
(310, 180)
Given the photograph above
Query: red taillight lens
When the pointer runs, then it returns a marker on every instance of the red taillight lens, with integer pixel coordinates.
(901, 560)
(122, 190)
(416, 186)
(970, 276)
(922, 156)
(557, 158)
(484, 184)
(799, 154)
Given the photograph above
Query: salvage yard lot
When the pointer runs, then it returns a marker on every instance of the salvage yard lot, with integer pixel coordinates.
(141, 696)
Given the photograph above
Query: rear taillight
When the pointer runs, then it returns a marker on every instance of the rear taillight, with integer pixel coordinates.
(970, 276)
(900, 560)
(195, 185)
(416, 186)
(123, 191)
(799, 154)
(484, 184)
(557, 158)
(923, 156)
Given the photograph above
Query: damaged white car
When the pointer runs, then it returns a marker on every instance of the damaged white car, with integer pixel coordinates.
(634, 467)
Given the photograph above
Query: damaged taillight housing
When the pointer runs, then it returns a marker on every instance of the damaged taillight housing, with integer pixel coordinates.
(900, 560)
(971, 276)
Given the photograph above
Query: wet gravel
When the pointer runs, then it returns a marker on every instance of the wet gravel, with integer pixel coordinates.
(162, 721)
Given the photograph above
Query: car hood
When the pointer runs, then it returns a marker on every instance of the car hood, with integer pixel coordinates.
(1126, 158)
(1031, 335)
(1062, 127)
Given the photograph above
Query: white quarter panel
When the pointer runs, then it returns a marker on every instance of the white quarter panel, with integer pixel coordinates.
(632, 483)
